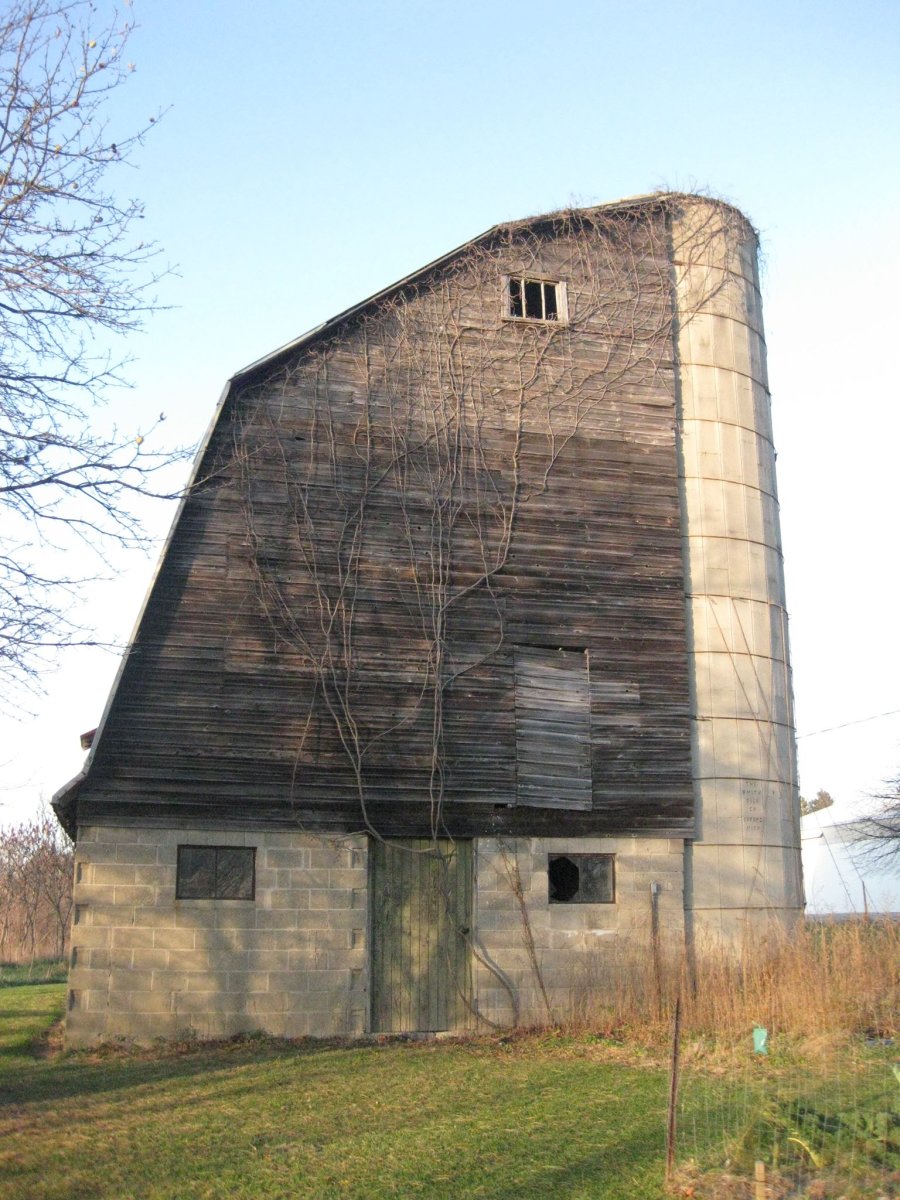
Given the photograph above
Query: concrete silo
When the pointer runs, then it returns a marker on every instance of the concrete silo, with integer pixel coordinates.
(744, 865)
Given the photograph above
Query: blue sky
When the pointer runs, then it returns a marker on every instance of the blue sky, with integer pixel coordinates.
(317, 152)
(312, 153)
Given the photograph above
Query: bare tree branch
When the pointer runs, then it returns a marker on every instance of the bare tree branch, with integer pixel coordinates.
(881, 830)
(36, 868)
(73, 273)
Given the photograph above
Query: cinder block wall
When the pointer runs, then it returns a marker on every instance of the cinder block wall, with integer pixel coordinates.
(145, 965)
(575, 946)
(293, 962)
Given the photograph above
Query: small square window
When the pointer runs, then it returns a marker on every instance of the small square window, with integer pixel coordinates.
(216, 873)
(535, 299)
(581, 878)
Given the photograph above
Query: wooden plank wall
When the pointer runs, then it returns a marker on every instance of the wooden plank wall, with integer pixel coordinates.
(355, 497)
(553, 728)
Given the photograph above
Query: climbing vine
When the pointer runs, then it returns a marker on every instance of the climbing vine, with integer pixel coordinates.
(386, 470)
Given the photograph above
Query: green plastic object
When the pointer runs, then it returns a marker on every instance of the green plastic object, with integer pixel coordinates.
(760, 1039)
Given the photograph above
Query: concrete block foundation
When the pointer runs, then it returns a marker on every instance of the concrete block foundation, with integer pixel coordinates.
(294, 960)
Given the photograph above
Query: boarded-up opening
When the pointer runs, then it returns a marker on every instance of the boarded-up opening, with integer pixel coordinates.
(553, 728)
(421, 904)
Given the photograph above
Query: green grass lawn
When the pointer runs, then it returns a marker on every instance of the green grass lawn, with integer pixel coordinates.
(527, 1118)
(549, 1116)
(43, 970)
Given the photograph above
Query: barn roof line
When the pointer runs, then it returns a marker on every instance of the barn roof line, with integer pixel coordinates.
(333, 323)
(64, 800)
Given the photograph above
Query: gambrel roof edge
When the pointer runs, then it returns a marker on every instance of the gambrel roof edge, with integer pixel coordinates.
(64, 801)
(647, 202)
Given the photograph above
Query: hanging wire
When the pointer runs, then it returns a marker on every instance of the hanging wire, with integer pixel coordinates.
(859, 721)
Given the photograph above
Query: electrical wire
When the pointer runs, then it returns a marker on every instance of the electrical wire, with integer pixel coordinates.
(860, 721)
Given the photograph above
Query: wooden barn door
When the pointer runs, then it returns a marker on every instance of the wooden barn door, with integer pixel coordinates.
(421, 902)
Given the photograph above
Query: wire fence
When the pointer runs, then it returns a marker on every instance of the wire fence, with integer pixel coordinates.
(800, 1119)
(785, 1071)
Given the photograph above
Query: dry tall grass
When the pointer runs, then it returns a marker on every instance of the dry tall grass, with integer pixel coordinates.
(814, 981)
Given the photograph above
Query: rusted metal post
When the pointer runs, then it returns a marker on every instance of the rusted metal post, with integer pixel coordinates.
(655, 889)
(673, 1091)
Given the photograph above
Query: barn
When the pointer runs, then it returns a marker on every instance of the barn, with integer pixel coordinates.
(466, 662)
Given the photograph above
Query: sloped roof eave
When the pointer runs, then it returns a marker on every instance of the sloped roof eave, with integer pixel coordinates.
(64, 801)
(650, 200)
(348, 314)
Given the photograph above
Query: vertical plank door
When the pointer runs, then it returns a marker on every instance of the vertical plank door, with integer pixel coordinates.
(421, 905)
(553, 728)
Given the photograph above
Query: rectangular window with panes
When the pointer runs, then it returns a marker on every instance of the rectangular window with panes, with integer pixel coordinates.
(534, 299)
(216, 873)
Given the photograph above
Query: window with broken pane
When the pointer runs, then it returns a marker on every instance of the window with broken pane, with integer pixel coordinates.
(581, 878)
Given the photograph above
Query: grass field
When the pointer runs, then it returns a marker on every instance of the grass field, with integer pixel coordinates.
(529, 1117)
(568, 1116)
(44, 970)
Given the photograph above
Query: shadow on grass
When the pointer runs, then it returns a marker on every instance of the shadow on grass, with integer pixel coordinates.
(601, 1176)
(624, 1165)
(15, 1014)
(91, 1073)
(327, 1120)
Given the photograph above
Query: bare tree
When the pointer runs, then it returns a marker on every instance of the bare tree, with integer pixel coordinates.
(73, 272)
(35, 890)
(881, 830)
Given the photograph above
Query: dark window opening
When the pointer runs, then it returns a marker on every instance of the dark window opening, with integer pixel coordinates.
(515, 298)
(565, 879)
(581, 878)
(216, 873)
(534, 299)
(550, 312)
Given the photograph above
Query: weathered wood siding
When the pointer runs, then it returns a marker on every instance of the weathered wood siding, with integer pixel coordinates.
(553, 728)
(334, 560)
(420, 897)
